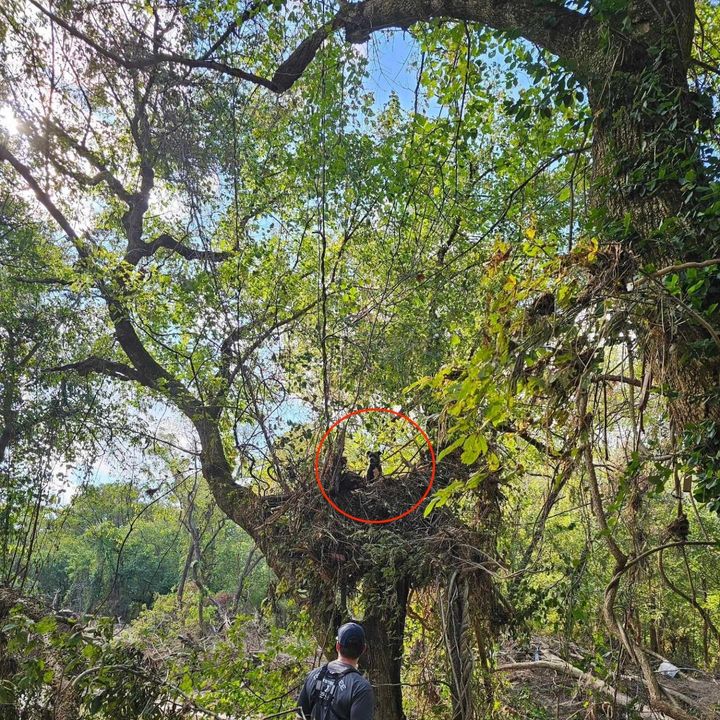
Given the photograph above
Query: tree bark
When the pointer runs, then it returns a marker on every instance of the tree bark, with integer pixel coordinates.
(644, 150)
(455, 617)
(383, 659)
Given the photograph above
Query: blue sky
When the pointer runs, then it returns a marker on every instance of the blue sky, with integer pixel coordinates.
(390, 68)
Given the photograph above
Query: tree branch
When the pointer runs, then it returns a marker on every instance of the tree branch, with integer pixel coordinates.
(152, 374)
(585, 422)
(95, 364)
(639, 558)
(224, 371)
(44, 198)
(570, 35)
(585, 679)
(168, 242)
(565, 33)
(553, 27)
(618, 378)
(153, 60)
(104, 174)
(685, 266)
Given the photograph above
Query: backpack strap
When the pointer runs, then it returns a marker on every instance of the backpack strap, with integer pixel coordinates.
(318, 682)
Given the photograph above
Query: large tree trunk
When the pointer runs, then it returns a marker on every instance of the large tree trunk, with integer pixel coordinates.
(385, 630)
(641, 111)
(644, 152)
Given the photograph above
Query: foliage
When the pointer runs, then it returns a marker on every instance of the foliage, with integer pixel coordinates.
(121, 676)
(115, 551)
(201, 272)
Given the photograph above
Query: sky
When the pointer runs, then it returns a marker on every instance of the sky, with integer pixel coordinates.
(390, 67)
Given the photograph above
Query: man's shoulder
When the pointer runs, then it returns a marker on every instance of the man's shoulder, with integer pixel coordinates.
(312, 676)
(360, 681)
(351, 678)
(356, 682)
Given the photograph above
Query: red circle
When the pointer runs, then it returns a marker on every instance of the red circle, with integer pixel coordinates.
(365, 520)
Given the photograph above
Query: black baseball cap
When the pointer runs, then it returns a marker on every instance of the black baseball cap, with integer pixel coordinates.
(351, 634)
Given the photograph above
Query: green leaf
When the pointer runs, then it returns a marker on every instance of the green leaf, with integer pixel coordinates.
(493, 461)
(453, 446)
(46, 625)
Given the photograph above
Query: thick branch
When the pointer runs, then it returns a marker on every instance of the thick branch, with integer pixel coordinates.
(168, 242)
(148, 368)
(618, 378)
(43, 197)
(570, 35)
(153, 60)
(134, 218)
(553, 27)
(95, 364)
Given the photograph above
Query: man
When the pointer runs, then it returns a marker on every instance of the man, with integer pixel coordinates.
(337, 691)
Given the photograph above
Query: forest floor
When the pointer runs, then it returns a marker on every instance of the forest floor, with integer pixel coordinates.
(543, 679)
(538, 691)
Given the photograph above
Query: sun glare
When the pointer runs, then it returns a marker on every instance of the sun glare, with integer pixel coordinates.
(8, 121)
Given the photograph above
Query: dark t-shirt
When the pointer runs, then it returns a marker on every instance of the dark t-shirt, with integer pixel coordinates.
(353, 698)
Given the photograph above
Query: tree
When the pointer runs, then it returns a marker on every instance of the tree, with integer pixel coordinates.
(653, 210)
(113, 552)
(214, 377)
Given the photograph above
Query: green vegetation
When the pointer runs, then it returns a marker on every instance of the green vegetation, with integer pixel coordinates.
(224, 226)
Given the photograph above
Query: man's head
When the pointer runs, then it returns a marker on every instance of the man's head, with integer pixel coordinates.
(350, 640)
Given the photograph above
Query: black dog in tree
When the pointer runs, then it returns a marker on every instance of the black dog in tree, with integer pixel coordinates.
(374, 471)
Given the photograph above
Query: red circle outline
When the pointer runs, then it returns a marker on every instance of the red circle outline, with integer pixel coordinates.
(365, 520)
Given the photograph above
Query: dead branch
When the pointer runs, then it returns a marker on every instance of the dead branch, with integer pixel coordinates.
(586, 679)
